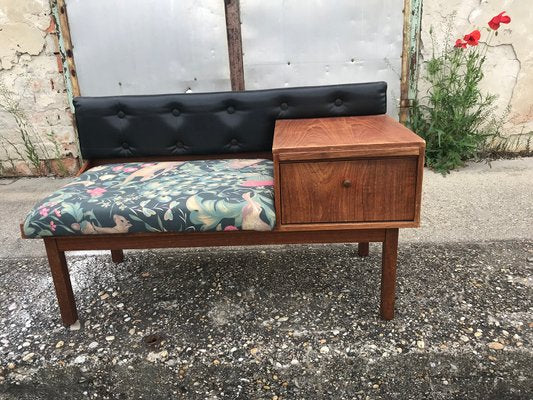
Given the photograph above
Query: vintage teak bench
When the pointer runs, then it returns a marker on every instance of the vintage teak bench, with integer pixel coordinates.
(294, 165)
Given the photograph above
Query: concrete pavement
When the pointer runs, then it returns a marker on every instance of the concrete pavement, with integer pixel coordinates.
(285, 322)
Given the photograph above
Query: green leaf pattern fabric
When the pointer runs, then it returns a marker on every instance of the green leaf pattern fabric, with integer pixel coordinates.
(174, 196)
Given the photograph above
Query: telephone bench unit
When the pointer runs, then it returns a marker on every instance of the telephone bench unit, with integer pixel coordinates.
(296, 165)
(347, 172)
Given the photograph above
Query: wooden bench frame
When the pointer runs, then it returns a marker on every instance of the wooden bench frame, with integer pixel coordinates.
(56, 246)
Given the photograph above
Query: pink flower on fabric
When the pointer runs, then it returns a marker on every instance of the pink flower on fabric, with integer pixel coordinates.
(117, 168)
(231, 228)
(57, 213)
(257, 183)
(96, 192)
(130, 169)
(52, 226)
(44, 211)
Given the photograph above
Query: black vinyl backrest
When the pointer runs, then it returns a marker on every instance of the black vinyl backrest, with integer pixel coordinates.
(211, 123)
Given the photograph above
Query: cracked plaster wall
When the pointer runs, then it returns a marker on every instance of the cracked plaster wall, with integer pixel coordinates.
(509, 65)
(30, 74)
(29, 68)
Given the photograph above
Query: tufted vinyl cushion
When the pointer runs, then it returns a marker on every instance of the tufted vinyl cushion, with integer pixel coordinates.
(210, 123)
(185, 196)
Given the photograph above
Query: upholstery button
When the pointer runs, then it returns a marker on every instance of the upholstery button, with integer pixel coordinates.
(180, 145)
(284, 106)
(338, 102)
(175, 112)
(231, 109)
(125, 145)
(121, 114)
(234, 142)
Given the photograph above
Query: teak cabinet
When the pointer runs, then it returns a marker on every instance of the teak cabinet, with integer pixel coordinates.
(347, 173)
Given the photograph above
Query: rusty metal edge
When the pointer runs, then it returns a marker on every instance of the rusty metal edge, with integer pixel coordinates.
(412, 15)
(66, 50)
(235, 55)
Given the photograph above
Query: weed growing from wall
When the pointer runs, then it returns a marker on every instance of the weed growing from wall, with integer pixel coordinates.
(11, 105)
(455, 118)
(31, 150)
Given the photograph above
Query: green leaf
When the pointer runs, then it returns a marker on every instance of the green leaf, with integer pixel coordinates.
(148, 212)
(89, 214)
(160, 223)
(73, 209)
(168, 215)
(135, 218)
(151, 228)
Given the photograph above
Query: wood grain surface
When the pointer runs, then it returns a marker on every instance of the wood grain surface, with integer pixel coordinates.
(389, 259)
(359, 190)
(61, 278)
(153, 240)
(330, 134)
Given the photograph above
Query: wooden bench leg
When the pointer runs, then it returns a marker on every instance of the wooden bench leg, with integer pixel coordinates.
(117, 256)
(388, 273)
(362, 249)
(61, 278)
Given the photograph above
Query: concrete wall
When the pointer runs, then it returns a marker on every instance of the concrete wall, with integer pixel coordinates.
(509, 65)
(32, 89)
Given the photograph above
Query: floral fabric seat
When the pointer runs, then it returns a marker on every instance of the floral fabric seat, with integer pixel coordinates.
(181, 196)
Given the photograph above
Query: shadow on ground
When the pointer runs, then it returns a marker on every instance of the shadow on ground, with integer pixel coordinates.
(290, 322)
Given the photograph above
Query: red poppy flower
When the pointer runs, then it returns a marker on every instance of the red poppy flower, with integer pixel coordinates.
(495, 22)
(473, 38)
(460, 44)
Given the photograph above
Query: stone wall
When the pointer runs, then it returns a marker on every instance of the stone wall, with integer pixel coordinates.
(509, 66)
(33, 99)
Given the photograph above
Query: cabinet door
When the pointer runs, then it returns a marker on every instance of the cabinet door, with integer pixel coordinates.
(358, 190)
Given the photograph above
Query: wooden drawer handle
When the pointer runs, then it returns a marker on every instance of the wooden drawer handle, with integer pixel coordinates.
(346, 183)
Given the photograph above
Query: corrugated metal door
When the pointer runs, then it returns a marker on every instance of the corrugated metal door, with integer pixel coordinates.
(318, 42)
(149, 46)
(162, 46)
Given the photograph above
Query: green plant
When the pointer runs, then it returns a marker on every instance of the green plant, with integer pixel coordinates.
(9, 104)
(7, 170)
(33, 150)
(455, 118)
(60, 164)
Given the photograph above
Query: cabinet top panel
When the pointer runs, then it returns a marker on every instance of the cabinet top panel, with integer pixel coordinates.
(364, 132)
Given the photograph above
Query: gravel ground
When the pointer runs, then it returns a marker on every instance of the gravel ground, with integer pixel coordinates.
(288, 322)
